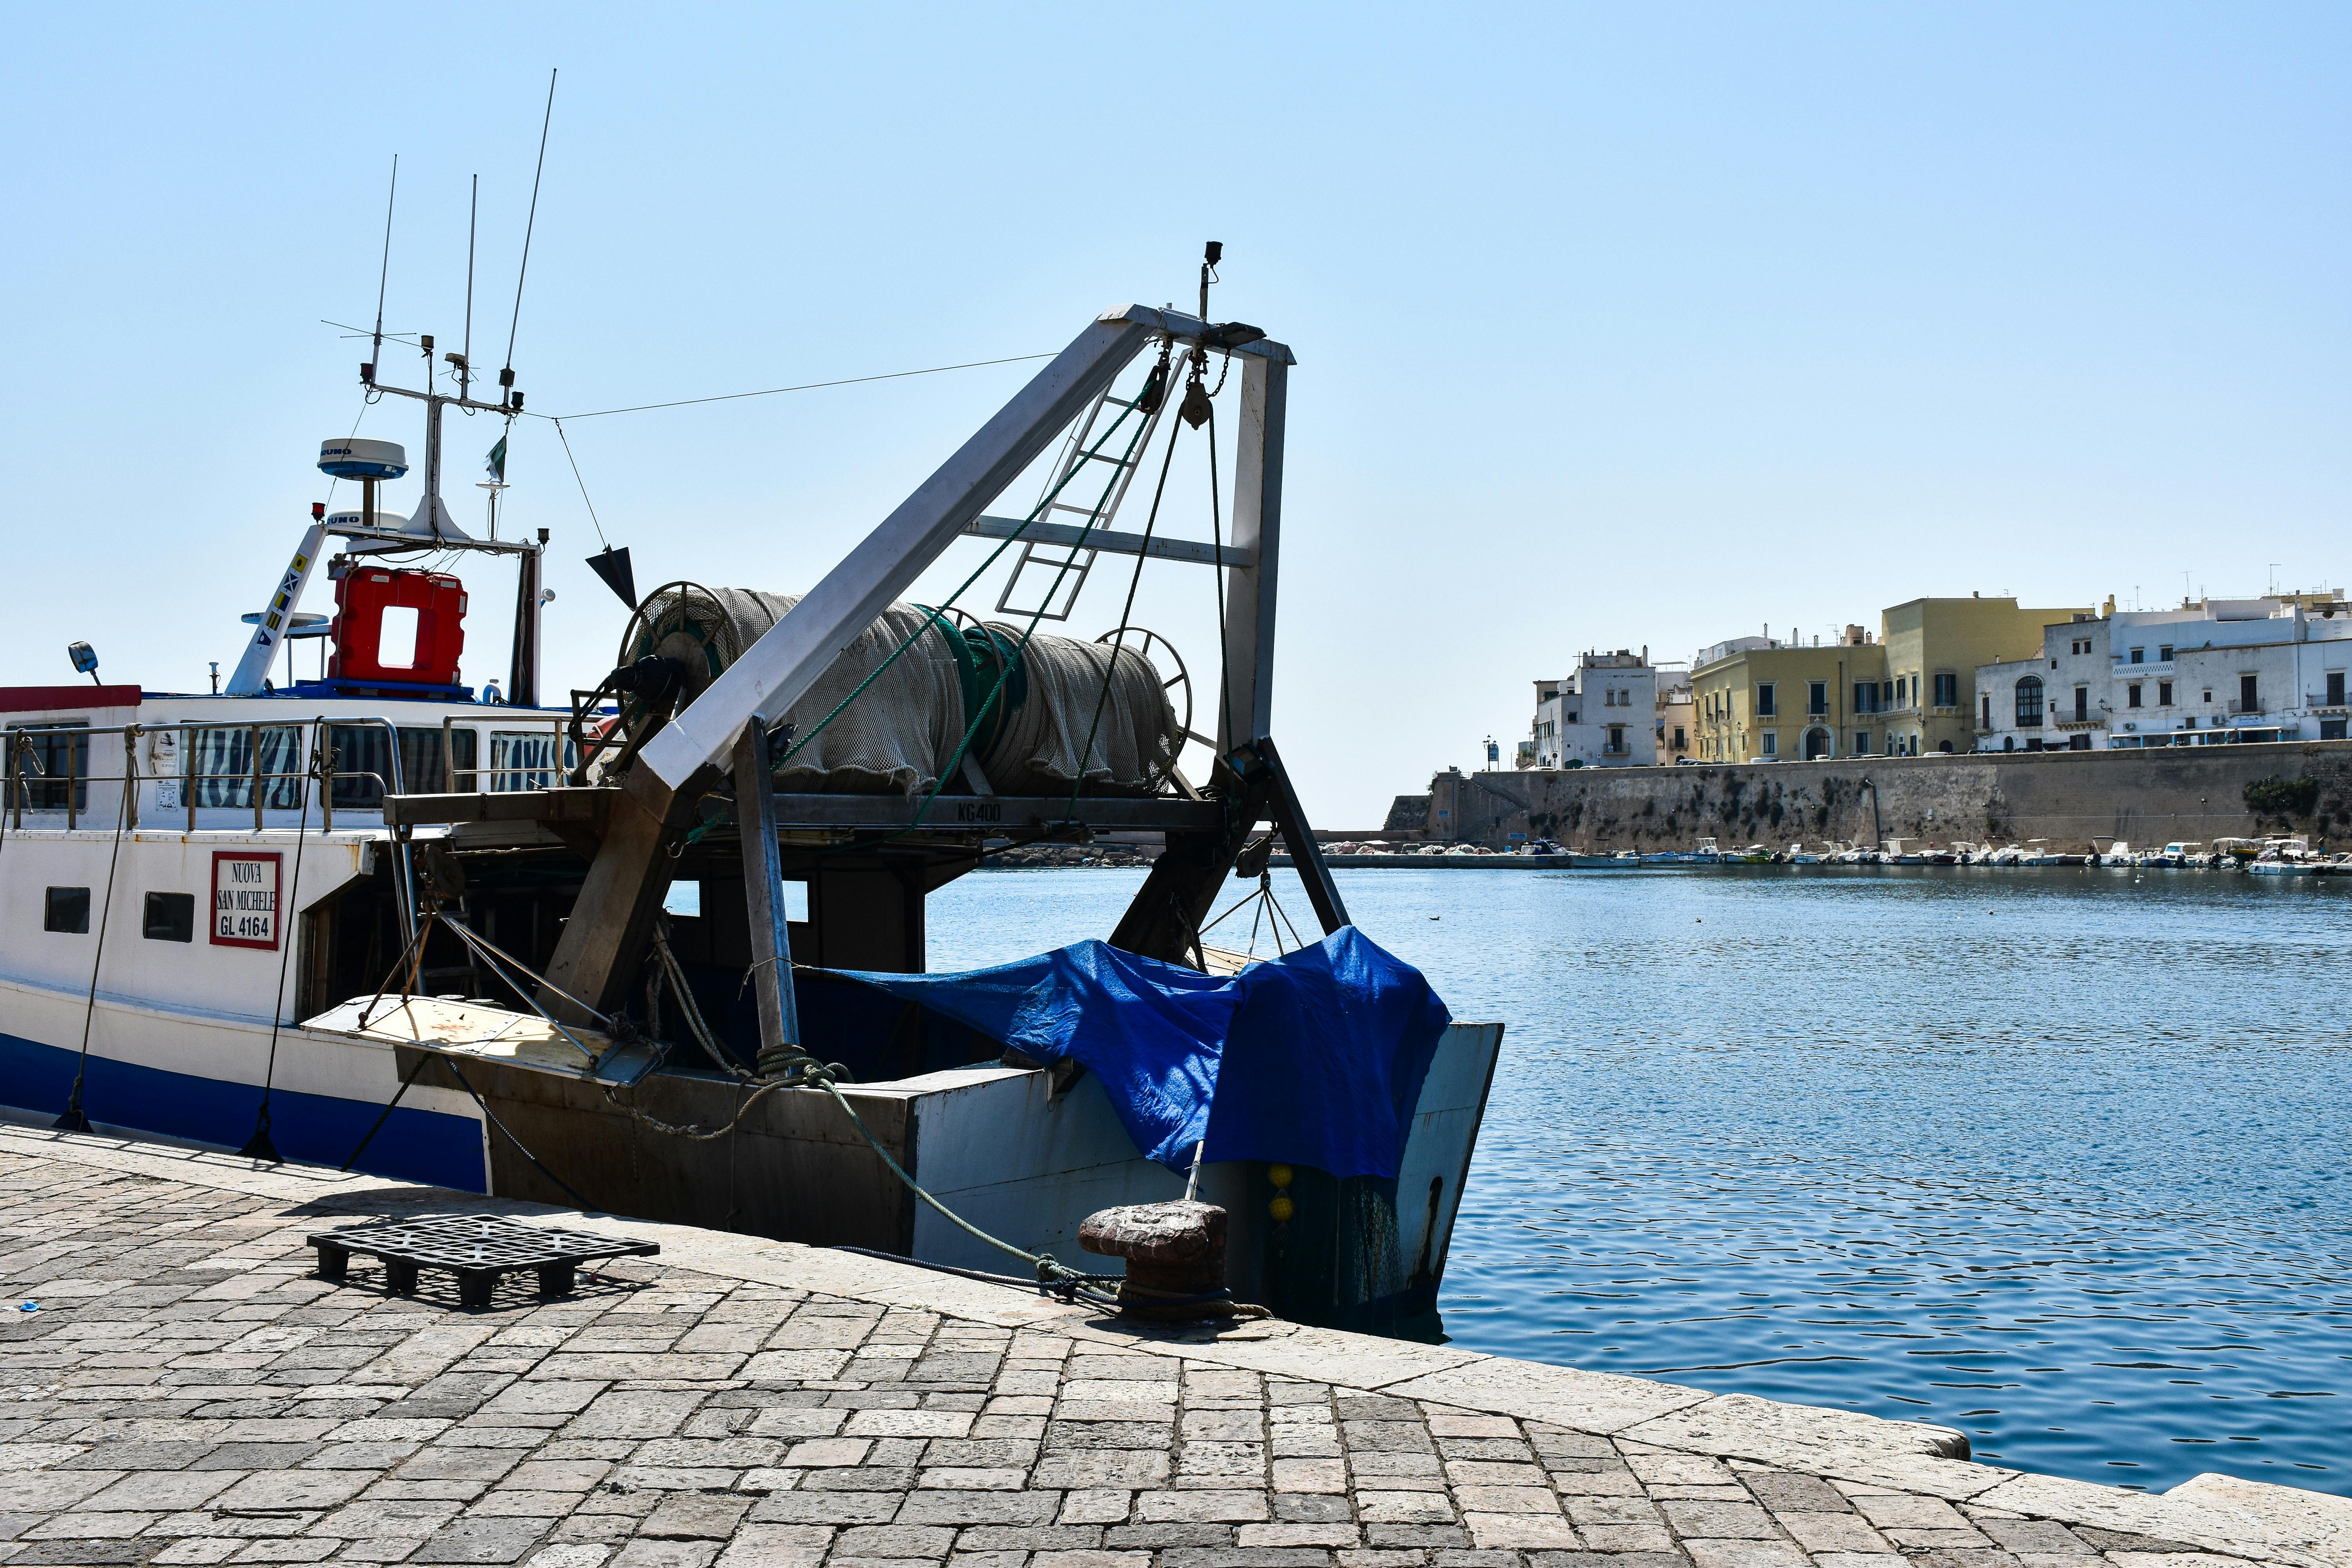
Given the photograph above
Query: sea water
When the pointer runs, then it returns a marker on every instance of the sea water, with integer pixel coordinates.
(2053, 1156)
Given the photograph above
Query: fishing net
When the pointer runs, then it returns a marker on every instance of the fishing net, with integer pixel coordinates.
(900, 736)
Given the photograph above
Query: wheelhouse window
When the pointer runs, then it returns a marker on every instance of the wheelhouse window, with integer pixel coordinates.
(525, 759)
(221, 766)
(2029, 702)
(50, 754)
(426, 766)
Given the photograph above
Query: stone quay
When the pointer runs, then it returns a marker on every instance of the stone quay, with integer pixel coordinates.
(187, 1390)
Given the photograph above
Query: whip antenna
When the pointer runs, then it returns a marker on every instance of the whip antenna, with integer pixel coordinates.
(506, 375)
(375, 354)
(466, 356)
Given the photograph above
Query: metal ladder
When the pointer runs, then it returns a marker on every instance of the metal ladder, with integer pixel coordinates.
(1062, 568)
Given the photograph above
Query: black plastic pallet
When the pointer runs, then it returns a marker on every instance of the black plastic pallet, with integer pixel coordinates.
(476, 1248)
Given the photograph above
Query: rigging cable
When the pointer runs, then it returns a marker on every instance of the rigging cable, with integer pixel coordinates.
(804, 386)
(581, 482)
(258, 1146)
(1125, 616)
(75, 1120)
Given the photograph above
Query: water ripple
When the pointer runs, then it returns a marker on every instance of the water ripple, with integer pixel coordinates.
(1881, 1139)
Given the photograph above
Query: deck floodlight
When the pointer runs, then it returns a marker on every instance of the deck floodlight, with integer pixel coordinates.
(85, 659)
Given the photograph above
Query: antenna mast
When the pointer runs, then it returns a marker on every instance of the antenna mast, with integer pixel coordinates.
(466, 356)
(506, 375)
(375, 354)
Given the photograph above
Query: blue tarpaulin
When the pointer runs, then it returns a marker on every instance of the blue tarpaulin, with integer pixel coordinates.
(1314, 1058)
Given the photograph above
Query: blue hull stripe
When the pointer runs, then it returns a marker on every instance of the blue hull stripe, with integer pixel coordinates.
(316, 1128)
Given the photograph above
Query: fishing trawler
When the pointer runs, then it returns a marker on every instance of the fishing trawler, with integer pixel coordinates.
(659, 950)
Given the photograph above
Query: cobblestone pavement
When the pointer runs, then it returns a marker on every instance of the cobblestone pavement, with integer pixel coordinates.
(188, 1392)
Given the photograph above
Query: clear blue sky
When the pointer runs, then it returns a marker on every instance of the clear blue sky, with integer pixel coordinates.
(1616, 326)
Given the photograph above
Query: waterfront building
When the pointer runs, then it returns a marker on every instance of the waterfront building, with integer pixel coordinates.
(1903, 693)
(1603, 715)
(2211, 672)
(1934, 647)
(1767, 698)
(1677, 725)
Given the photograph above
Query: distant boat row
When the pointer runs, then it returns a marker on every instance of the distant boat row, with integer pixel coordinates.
(2274, 856)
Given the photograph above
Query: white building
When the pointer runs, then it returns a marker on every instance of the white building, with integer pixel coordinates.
(2210, 673)
(1604, 715)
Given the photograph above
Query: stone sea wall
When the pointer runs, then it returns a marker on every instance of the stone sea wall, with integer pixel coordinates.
(2076, 800)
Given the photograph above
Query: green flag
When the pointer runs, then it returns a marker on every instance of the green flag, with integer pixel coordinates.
(497, 464)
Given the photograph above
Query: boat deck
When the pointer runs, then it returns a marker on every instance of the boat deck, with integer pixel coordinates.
(189, 1391)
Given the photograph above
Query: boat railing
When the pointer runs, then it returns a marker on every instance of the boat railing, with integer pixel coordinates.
(16, 787)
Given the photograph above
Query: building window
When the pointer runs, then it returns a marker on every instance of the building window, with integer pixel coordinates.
(1866, 697)
(1766, 705)
(2131, 696)
(2139, 656)
(2208, 694)
(1817, 697)
(1947, 690)
(66, 910)
(2249, 699)
(2082, 702)
(169, 917)
(1862, 743)
(2078, 743)
(2335, 689)
(2164, 694)
(1986, 724)
(1771, 749)
(1680, 743)
(2164, 653)
(2331, 728)
(2029, 702)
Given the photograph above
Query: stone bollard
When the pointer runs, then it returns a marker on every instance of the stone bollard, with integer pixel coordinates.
(1173, 1250)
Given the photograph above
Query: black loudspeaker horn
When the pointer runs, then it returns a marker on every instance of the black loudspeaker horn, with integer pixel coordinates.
(612, 565)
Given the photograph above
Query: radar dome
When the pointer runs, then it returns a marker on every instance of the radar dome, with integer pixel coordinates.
(350, 458)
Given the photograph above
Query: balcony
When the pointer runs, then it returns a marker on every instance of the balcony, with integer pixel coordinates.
(2320, 703)
(2092, 721)
(2257, 707)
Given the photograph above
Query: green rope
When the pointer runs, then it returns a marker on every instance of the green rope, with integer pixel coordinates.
(800, 1071)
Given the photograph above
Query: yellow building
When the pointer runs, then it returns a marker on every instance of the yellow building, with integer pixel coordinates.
(1932, 650)
(1768, 699)
(1902, 694)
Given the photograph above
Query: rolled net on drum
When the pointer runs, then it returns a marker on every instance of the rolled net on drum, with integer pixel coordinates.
(900, 736)
(1135, 744)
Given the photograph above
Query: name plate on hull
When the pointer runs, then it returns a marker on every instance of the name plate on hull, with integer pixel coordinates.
(245, 897)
